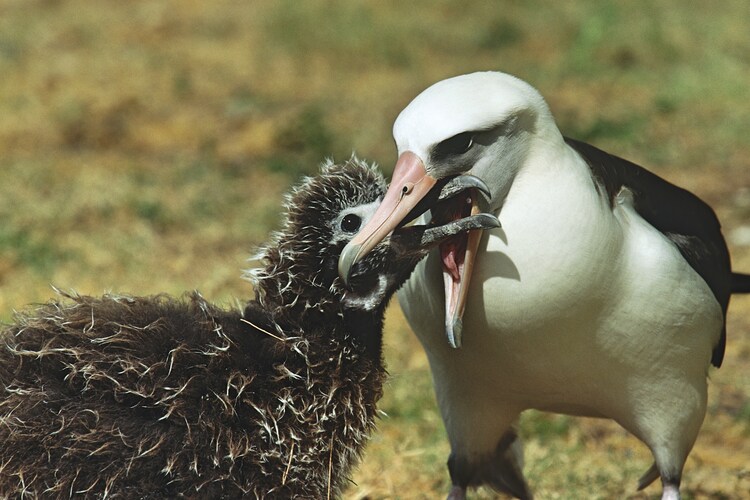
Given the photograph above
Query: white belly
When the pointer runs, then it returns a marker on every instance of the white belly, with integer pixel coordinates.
(569, 311)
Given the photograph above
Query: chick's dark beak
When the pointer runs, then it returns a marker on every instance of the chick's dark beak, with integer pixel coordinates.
(417, 240)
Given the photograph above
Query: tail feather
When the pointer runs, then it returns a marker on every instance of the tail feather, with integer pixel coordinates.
(648, 477)
(740, 283)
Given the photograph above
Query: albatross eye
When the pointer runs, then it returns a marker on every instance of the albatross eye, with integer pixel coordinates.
(454, 146)
(350, 223)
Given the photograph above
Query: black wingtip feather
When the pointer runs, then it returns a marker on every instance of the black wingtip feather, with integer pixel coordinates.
(740, 283)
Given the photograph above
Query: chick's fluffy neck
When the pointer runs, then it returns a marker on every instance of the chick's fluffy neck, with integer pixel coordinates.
(314, 311)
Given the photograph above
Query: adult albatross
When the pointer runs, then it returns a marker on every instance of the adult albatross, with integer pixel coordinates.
(603, 294)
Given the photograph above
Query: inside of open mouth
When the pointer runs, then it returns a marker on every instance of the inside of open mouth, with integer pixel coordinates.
(453, 249)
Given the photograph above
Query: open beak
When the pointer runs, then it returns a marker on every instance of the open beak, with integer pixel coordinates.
(409, 184)
(457, 256)
(410, 194)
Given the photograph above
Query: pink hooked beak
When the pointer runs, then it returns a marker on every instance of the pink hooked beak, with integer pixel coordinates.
(409, 184)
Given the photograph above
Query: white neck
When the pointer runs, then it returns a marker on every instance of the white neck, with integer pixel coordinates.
(540, 148)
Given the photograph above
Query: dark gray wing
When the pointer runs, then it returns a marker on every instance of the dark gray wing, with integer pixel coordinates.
(740, 283)
(683, 218)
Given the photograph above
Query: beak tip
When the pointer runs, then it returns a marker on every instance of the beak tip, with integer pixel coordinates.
(454, 331)
(347, 259)
(485, 189)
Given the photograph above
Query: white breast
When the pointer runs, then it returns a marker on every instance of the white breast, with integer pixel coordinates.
(569, 300)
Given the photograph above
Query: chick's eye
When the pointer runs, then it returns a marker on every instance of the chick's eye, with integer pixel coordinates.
(350, 223)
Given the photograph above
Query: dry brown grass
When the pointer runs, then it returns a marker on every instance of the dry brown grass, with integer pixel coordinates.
(144, 147)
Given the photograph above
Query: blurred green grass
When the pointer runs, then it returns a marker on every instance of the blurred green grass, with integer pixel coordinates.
(145, 147)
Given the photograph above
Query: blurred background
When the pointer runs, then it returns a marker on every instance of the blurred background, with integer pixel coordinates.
(145, 147)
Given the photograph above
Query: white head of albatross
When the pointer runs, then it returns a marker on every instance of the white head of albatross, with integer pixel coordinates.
(486, 124)
(603, 294)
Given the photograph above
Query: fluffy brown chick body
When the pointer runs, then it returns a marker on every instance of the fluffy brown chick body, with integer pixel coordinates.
(154, 397)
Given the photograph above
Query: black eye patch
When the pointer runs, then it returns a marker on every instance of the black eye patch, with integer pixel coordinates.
(454, 146)
(350, 223)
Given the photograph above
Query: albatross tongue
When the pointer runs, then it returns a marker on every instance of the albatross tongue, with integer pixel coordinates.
(452, 253)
